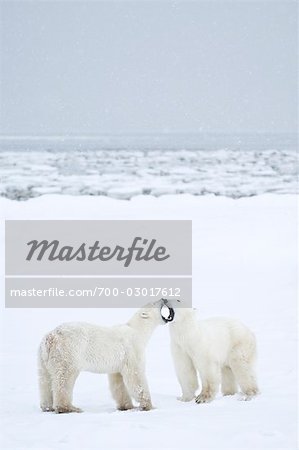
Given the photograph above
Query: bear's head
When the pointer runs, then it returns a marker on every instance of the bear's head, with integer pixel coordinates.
(158, 312)
(182, 314)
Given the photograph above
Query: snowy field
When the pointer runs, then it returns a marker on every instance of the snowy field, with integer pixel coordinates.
(244, 266)
(229, 165)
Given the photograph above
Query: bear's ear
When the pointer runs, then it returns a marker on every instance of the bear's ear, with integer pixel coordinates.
(144, 315)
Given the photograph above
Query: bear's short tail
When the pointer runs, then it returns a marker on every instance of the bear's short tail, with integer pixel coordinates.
(46, 346)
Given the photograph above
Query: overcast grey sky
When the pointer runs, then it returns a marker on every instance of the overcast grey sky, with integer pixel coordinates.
(92, 67)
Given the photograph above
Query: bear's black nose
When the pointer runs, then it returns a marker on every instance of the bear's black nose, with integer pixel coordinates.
(167, 312)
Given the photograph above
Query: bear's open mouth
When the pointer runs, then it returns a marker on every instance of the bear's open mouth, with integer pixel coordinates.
(167, 313)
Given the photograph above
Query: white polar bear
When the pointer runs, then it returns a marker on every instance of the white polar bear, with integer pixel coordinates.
(118, 351)
(222, 351)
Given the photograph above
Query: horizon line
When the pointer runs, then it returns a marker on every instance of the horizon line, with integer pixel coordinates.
(135, 134)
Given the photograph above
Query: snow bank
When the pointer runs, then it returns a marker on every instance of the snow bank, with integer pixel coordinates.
(124, 174)
(244, 265)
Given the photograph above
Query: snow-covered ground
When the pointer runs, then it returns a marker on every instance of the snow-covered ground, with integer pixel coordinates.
(123, 167)
(244, 265)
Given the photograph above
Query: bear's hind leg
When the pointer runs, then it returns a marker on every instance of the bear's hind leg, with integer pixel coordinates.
(246, 378)
(242, 366)
(45, 387)
(63, 385)
(119, 392)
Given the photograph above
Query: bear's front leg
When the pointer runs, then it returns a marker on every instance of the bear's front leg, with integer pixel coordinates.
(210, 377)
(134, 378)
(119, 392)
(186, 373)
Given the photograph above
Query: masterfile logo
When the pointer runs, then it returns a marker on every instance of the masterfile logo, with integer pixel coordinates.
(97, 263)
(140, 249)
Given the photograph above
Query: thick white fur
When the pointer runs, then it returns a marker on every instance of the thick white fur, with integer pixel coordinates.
(118, 351)
(222, 351)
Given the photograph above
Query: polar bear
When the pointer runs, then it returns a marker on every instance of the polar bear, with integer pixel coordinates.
(222, 351)
(118, 351)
